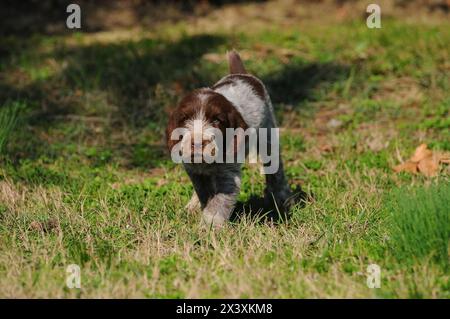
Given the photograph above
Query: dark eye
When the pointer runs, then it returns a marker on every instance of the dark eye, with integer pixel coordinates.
(182, 118)
(216, 121)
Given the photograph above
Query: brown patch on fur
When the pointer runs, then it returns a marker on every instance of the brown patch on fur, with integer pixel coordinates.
(178, 117)
(219, 108)
(256, 85)
(216, 108)
(223, 83)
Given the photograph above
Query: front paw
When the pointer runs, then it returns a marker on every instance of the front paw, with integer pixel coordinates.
(214, 220)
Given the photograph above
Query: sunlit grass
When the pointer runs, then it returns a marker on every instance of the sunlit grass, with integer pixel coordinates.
(86, 178)
(420, 220)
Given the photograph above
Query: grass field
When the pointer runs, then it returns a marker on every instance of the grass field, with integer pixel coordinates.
(85, 177)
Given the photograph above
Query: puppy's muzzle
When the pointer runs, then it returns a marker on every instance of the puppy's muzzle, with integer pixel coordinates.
(201, 148)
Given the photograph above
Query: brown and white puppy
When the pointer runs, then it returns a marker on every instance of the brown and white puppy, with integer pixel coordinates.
(197, 131)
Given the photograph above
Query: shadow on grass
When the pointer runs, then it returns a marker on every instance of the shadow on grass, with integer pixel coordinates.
(129, 74)
(140, 81)
(262, 210)
(296, 81)
(26, 18)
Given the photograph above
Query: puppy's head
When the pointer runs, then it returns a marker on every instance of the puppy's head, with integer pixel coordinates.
(200, 122)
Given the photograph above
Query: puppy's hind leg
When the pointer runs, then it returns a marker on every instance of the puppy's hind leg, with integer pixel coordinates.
(277, 187)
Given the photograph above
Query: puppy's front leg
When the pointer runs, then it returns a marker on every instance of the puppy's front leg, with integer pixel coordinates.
(204, 188)
(220, 206)
(217, 194)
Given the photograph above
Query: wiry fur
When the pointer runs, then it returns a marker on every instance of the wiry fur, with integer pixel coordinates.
(217, 185)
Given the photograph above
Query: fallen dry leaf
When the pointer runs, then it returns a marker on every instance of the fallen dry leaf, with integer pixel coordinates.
(406, 167)
(429, 166)
(421, 153)
(424, 161)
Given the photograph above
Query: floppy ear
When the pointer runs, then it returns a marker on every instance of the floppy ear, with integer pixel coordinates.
(236, 121)
(172, 125)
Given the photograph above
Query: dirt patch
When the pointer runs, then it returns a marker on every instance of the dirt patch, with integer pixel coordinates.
(400, 90)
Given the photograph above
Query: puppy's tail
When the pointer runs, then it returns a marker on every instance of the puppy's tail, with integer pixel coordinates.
(235, 63)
